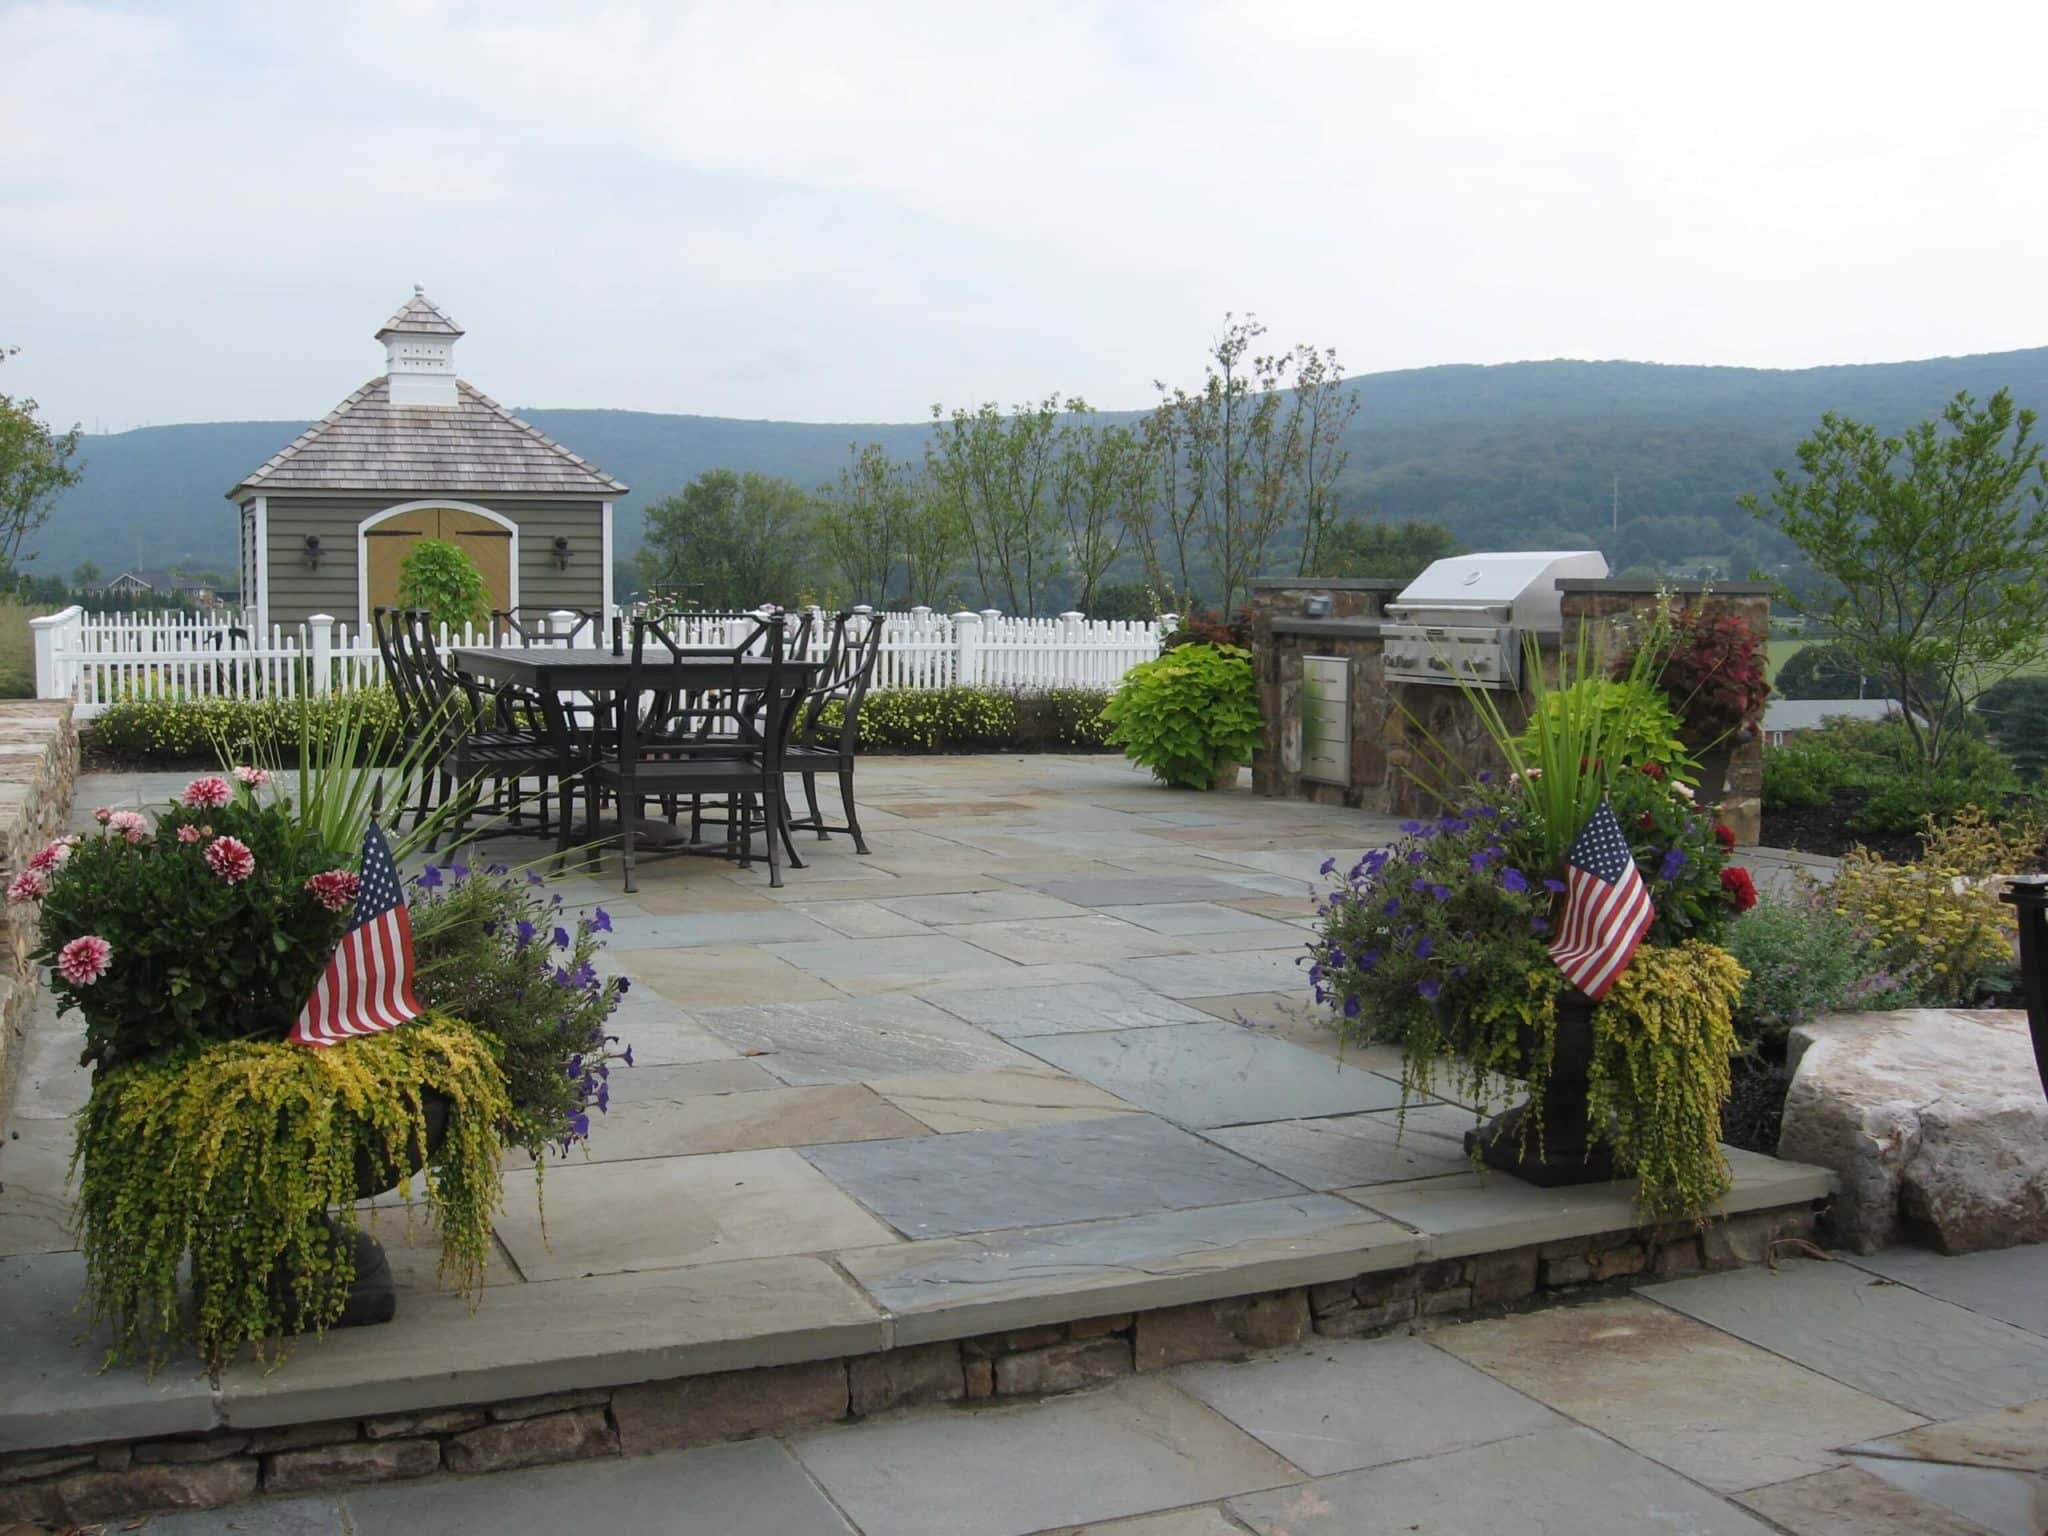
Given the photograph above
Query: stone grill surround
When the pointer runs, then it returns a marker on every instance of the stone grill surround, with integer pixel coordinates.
(1401, 733)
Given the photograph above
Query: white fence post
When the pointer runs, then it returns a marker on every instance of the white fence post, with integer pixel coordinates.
(967, 649)
(320, 651)
(53, 633)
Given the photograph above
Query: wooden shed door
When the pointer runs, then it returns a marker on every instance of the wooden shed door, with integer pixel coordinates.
(484, 541)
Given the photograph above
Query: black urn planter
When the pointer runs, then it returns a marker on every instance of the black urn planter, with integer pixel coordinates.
(373, 1294)
(1563, 1153)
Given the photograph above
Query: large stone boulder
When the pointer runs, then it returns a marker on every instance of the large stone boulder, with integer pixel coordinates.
(1935, 1120)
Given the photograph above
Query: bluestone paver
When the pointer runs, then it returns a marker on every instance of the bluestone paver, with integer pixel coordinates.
(1644, 1374)
(1215, 1073)
(1581, 1483)
(2010, 1284)
(1340, 1404)
(1219, 975)
(856, 1039)
(1889, 1340)
(1138, 1447)
(1086, 1170)
(1075, 1007)
(751, 1489)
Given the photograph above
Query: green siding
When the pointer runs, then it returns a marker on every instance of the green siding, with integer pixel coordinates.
(296, 592)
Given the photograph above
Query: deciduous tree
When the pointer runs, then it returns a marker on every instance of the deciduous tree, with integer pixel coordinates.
(729, 540)
(36, 466)
(1000, 473)
(1935, 548)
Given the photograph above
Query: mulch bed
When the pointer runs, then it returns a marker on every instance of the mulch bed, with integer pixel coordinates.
(1824, 829)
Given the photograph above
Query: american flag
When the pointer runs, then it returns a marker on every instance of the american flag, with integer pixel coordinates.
(367, 986)
(1606, 907)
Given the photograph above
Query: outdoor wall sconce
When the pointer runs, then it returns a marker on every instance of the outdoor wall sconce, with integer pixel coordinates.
(312, 552)
(561, 553)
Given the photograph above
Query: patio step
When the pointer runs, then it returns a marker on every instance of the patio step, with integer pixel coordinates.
(640, 1362)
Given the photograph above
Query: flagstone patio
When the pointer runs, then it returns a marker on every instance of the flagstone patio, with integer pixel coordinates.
(1046, 1054)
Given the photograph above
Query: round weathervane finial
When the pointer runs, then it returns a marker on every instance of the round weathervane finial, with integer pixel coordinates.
(418, 291)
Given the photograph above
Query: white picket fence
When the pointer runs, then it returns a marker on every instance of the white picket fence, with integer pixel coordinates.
(100, 659)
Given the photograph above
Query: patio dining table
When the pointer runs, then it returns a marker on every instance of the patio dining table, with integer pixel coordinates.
(559, 672)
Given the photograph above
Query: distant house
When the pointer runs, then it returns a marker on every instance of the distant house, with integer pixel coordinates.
(1785, 718)
(166, 586)
(419, 453)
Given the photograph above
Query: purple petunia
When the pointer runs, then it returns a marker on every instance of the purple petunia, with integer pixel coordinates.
(561, 938)
(1351, 1006)
(627, 1058)
(533, 878)
(1424, 947)
(1555, 887)
(524, 932)
(1674, 861)
(1479, 861)
(1411, 827)
(1539, 925)
(1417, 857)
(1514, 880)
(1440, 892)
(428, 878)
(1430, 990)
(1392, 907)
(1329, 867)
(1368, 960)
(624, 985)
(459, 871)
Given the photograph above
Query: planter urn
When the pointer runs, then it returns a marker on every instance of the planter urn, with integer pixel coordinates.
(1560, 1152)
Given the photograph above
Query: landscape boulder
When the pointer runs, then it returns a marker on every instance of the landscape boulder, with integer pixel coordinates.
(1935, 1120)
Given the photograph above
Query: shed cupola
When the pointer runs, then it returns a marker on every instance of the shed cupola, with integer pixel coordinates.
(419, 350)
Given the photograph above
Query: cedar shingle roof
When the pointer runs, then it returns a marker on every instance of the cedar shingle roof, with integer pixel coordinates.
(368, 444)
(418, 316)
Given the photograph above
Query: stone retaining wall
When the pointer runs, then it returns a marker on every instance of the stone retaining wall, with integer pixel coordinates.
(38, 769)
(1401, 734)
(100, 1482)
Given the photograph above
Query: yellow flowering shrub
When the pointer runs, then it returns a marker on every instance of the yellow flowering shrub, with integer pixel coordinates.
(1663, 1037)
(1936, 926)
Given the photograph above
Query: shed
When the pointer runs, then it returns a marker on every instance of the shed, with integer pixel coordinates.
(420, 453)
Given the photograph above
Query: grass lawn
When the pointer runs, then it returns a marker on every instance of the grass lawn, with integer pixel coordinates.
(1782, 651)
(17, 649)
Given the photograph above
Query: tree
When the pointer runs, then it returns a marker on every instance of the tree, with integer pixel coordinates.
(728, 540)
(1935, 549)
(1321, 415)
(934, 539)
(864, 521)
(439, 576)
(1162, 523)
(1000, 473)
(1241, 459)
(85, 574)
(2015, 712)
(1105, 486)
(35, 468)
(1361, 548)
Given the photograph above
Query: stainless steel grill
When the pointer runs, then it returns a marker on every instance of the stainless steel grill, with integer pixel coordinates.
(1464, 618)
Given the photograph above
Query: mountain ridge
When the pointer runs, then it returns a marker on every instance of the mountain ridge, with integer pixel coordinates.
(1501, 453)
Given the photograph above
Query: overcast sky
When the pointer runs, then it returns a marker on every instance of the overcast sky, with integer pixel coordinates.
(851, 211)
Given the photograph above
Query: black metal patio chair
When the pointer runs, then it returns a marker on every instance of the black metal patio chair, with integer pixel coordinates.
(817, 745)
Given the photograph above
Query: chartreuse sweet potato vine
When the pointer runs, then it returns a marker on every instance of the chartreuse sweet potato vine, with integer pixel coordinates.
(230, 1154)
(1662, 1039)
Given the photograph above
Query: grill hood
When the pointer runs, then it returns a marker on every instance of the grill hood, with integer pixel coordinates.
(1517, 588)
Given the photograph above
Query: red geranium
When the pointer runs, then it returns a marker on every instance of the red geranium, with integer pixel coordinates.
(1654, 770)
(1725, 836)
(1740, 889)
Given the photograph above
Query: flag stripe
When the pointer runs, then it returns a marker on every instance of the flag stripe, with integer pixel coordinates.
(1607, 907)
(367, 985)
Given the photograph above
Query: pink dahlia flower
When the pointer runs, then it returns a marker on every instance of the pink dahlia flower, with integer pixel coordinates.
(50, 857)
(209, 791)
(131, 825)
(334, 889)
(230, 858)
(29, 885)
(189, 833)
(84, 960)
(254, 778)
(101, 813)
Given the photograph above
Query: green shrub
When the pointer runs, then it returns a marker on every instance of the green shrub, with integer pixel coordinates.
(977, 720)
(1878, 756)
(439, 576)
(1188, 714)
(1804, 772)
(1803, 959)
(176, 730)
(1636, 725)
